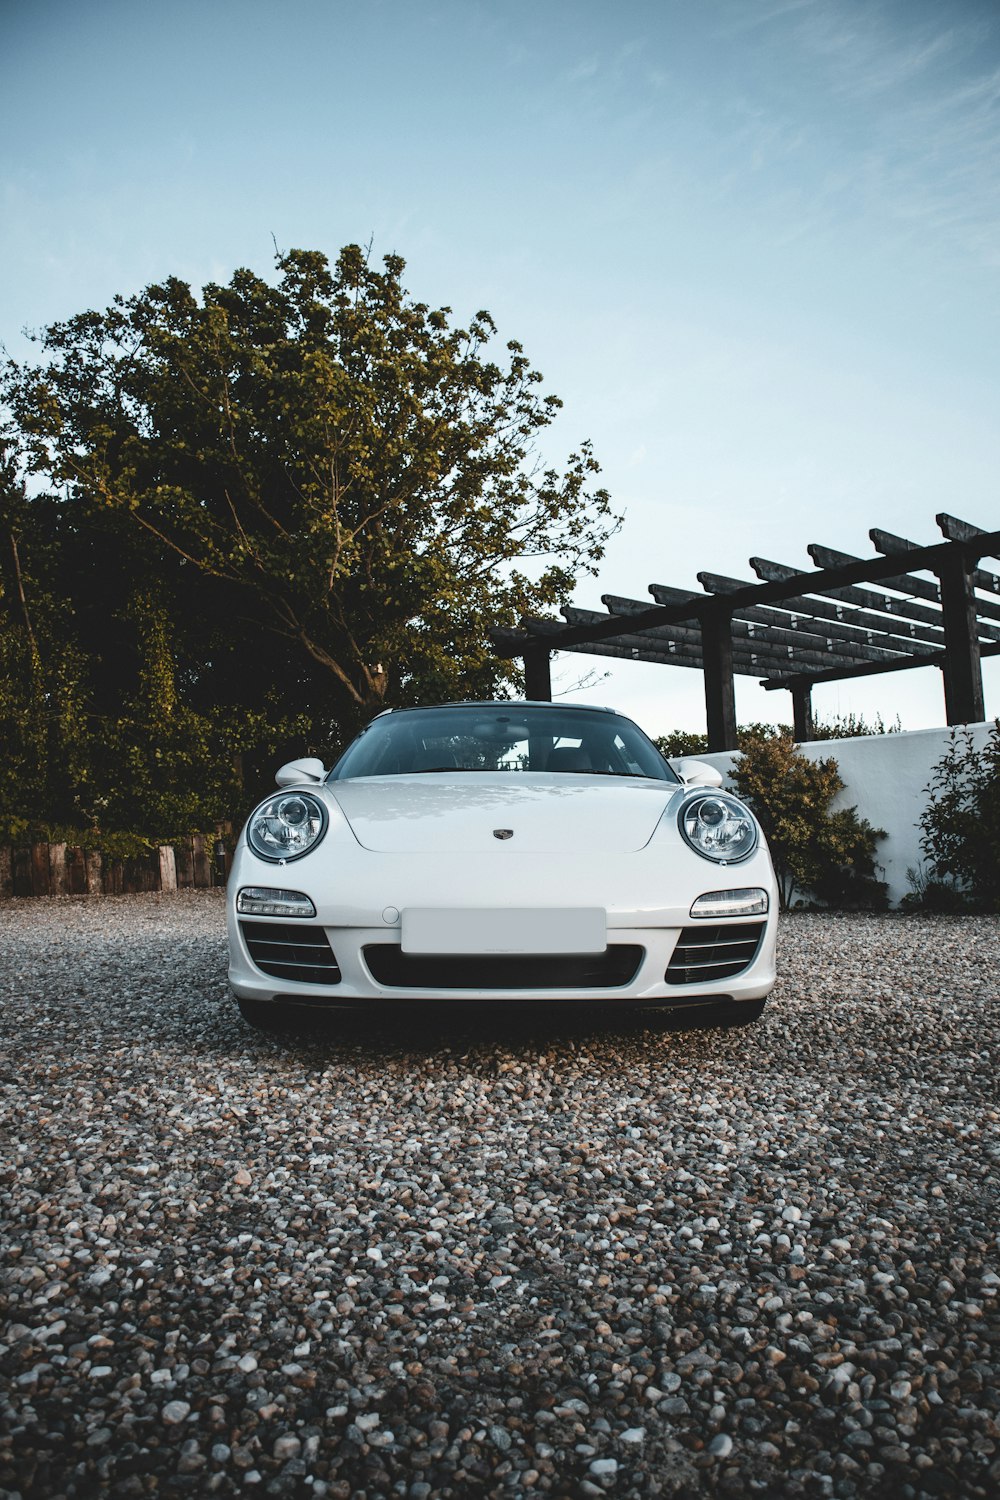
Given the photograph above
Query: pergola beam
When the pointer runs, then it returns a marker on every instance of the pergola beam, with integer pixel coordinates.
(769, 627)
(901, 609)
(674, 640)
(745, 665)
(891, 546)
(759, 651)
(858, 571)
(511, 643)
(787, 680)
(814, 623)
(672, 645)
(905, 583)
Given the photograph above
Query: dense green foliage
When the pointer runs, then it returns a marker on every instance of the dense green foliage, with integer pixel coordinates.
(853, 726)
(828, 854)
(681, 742)
(234, 527)
(960, 827)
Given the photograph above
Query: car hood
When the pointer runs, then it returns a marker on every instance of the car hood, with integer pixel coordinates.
(460, 813)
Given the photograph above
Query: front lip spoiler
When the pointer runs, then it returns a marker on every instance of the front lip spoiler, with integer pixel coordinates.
(502, 1002)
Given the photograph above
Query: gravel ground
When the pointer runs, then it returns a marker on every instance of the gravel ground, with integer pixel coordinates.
(553, 1256)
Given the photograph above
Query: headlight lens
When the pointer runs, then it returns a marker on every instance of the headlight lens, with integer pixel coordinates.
(718, 827)
(751, 902)
(287, 826)
(265, 901)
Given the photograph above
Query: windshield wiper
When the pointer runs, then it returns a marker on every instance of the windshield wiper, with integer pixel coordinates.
(485, 770)
(640, 775)
(423, 770)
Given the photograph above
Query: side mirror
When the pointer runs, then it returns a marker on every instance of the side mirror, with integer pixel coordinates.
(297, 771)
(697, 773)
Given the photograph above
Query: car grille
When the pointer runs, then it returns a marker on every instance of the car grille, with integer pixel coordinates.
(290, 950)
(616, 966)
(706, 954)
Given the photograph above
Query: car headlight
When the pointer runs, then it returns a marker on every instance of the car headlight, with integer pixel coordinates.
(718, 827)
(287, 826)
(265, 901)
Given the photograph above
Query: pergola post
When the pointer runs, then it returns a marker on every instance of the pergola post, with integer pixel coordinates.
(963, 673)
(720, 688)
(537, 675)
(802, 716)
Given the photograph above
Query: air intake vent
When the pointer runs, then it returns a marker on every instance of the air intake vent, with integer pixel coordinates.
(706, 954)
(395, 969)
(291, 950)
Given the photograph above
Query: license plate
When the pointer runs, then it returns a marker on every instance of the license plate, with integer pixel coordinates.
(505, 930)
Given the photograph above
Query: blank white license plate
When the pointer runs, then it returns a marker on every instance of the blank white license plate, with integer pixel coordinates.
(505, 930)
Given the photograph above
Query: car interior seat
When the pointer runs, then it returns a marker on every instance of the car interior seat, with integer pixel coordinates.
(569, 758)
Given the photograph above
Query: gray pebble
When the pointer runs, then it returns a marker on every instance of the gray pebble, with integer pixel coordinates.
(473, 1257)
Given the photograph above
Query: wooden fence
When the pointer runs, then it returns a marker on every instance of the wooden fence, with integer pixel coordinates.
(69, 870)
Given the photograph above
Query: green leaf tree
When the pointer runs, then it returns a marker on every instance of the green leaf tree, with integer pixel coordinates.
(24, 689)
(109, 723)
(342, 487)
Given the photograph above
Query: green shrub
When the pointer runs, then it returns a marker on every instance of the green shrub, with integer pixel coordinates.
(926, 894)
(960, 826)
(684, 742)
(830, 855)
(853, 726)
(681, 742)
(842, 727)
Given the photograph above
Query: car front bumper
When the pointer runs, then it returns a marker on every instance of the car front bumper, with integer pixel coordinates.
(360, 899)
(357, 985)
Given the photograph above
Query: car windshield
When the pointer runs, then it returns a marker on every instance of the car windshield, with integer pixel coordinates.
(509, 737)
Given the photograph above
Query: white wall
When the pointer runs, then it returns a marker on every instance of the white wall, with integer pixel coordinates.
(885, 776)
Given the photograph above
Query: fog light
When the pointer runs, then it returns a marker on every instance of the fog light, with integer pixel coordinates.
(751, 902)
(263, 901)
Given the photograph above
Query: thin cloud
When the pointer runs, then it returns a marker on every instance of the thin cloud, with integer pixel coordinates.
(905, 132)
(583, 71)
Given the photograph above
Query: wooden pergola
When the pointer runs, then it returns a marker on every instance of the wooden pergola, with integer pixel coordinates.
(795, 629)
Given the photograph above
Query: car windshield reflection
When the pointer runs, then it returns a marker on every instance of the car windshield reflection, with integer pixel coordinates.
(515, 738)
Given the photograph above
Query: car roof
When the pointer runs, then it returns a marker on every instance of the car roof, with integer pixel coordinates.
(519, 703)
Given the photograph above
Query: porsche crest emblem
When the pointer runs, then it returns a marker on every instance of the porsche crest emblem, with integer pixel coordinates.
(503, 833)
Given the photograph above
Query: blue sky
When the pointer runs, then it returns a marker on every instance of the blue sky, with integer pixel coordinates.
(755, 247)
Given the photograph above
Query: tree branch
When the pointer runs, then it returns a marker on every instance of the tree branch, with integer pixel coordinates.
(22, 596)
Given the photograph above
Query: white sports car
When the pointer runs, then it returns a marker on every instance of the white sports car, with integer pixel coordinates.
(501, 851)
